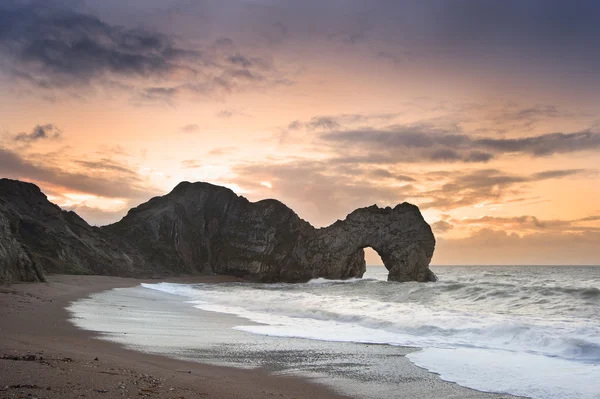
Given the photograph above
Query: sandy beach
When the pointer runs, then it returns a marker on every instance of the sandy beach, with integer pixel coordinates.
(45, 356)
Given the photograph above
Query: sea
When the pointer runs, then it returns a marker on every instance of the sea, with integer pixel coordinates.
(528, 331)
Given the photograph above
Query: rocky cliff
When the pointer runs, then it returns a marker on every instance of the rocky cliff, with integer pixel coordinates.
(200, 228)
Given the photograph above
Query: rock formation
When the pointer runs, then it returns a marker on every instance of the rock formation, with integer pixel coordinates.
(200, 228)
(52, 240)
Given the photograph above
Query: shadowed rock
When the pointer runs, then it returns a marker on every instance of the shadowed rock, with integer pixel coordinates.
(200, 228)
(400, 236)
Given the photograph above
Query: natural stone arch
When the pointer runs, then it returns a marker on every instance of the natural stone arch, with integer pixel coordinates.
(400, 236)
(202, 228)
(210, 229)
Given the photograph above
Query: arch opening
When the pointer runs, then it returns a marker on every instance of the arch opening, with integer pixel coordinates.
(375, 268)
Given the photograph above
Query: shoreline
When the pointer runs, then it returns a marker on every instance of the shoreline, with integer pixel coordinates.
(43, 354)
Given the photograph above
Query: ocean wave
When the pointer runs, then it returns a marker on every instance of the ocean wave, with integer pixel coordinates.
(527, 331)
(317, 281)
(310, 312)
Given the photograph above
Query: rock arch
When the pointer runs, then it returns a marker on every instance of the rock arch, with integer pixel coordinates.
(200, 228)
(400, 236)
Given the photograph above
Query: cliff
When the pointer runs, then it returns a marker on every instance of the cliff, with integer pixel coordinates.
(200, 228)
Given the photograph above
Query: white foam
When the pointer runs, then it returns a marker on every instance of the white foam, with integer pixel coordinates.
(538, 377)
(520, 352)
(290, 313)
(328, 281)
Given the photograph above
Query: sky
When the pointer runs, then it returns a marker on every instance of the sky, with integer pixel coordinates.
(485, 114)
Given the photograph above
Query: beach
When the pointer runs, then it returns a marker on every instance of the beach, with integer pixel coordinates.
(45, 355)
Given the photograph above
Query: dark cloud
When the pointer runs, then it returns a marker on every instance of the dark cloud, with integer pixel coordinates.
(553, 174)
(54, 47)
(422, 142)
(530, 114)
(441, 226)
(383, 173)
(543, 145)
(240, 60)
(106, 165)
(322, 122)
(545, 28)
(331, 122)
(519, 39)
(478, 156)
(121, 182)
(65, 43)
(444, 155)
(226, 113)
(39, 132)
(224, 42)
(470, 188)
(590, 219)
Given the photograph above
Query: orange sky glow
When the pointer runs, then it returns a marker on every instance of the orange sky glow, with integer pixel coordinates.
(327, 111)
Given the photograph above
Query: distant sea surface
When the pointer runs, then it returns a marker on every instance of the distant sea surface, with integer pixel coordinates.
(531, 331)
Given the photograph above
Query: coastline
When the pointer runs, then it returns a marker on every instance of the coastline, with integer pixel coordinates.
(34, 322)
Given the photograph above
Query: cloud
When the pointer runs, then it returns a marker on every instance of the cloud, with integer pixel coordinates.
(102, 178)
(384, 173)
(468, 188)
(543, 145)
(225, 114)
(40, 132)
(191, 164)
(326, 193)
(542, 28)
(590, 219)
(322, 122)
(107, 165)
(228, 113)
(331, 122)
(222, 151)
(441, 226)
(65, 43)
(553, 174)
(399, 58)
(330, 188)
(191, 128)
(423, 142)
(52, 47)
(478, 156)
(240, 60)
(490, 246)
(528, 223)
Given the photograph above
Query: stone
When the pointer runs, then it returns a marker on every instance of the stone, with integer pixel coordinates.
(200, 228)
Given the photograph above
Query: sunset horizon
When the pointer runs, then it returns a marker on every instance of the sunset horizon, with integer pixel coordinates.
(324, 199)
(483, 116)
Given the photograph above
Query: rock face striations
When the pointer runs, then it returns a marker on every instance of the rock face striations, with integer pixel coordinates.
(200, 228)
(45, 238)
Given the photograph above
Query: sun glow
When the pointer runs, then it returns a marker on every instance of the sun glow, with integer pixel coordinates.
(70, 200)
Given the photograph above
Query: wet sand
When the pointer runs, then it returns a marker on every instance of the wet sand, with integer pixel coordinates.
(46, 356)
